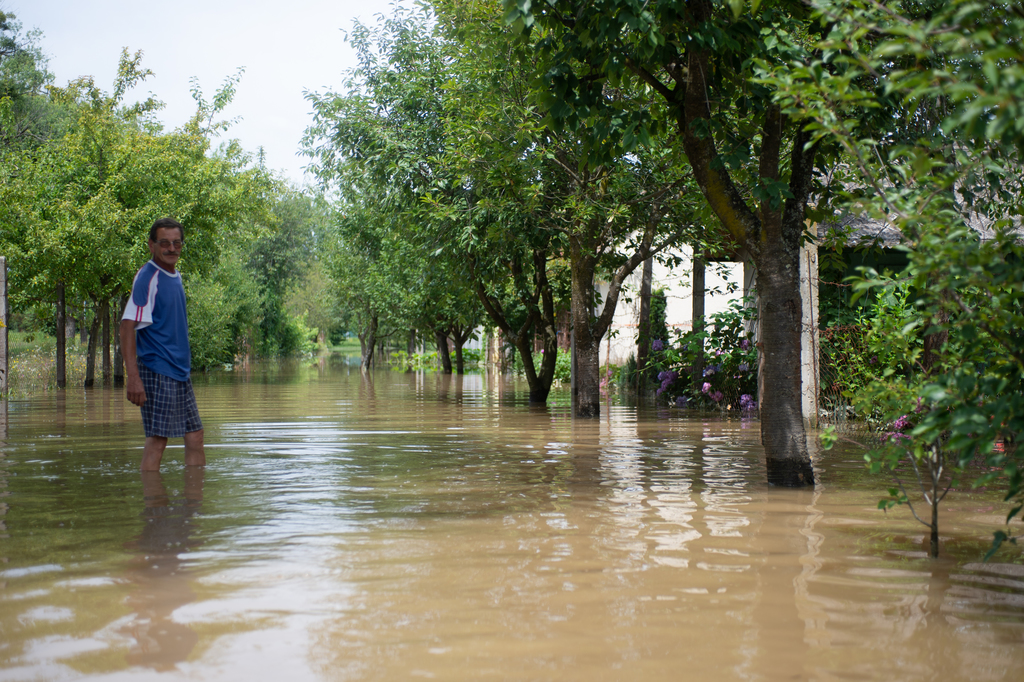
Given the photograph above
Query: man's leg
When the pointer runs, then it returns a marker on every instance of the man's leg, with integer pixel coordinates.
(195, 451)
(153, 453)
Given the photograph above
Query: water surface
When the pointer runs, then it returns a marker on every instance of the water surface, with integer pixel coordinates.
(405, 526)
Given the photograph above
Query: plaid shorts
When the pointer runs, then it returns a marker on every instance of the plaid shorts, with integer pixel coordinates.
(170, 409)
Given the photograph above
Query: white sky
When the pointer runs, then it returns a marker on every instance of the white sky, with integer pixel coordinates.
(285, 47)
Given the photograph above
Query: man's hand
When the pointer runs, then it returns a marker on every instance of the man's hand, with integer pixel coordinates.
(136, 392)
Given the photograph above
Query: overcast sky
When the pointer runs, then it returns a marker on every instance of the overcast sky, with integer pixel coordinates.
(285, 47)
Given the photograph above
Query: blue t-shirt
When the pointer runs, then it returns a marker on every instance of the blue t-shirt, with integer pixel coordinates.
(157, 307)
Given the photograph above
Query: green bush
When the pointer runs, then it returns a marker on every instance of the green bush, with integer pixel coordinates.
(224, 313)
(210, 315)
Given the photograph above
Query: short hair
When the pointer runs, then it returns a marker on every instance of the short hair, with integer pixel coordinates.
(166, 223)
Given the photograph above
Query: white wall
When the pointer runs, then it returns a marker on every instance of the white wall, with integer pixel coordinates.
(621, 340)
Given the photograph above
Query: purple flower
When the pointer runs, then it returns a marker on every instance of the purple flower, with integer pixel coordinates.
(745, 344)
(920, 406)
(897, 438)
(711, 370)
(657, 345)
(744, 367)
(666, 378)
(747, 402)
(681, 401)
(717, 396)
(705, 388)
(898, 427)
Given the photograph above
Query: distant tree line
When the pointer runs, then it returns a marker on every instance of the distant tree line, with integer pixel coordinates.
(86, 172)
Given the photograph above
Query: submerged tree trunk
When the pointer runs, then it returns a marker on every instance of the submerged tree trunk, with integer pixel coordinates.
(443, 354)
(781, 318)
(62, 372)
(936, 466)
(540, 320)
(108, 365)
(771, 231)
(586, 339)
(460, 335)
(367, 344)
(588, 328)
(90, 360)
(460, 367)
(118, 357)
(643, 337)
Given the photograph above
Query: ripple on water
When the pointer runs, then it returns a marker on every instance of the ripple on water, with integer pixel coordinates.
(397, 525)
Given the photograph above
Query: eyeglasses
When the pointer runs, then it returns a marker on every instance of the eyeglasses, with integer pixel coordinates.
(166, 244)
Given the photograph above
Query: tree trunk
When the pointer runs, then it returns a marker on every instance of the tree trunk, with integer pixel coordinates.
(367, 343)
(443, 355)
(460, 335)
(643, 337)
(118, 357)
(90, 360)
(108, 365)
(936, 463)
(586, 341)
(588, 328)
(772, 235)
(699, 290)
(780, 315)
(62, 341)
(460, 367)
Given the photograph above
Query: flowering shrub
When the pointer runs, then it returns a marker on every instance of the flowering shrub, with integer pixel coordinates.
(729, 379)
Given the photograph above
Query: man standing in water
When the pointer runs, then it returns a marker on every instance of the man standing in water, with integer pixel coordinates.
(157, 358)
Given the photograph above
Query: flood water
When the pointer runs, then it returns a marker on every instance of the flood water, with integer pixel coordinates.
(414, 526)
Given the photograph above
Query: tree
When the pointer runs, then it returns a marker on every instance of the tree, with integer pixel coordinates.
(313, 298)
(754, 164)
(388, 142)
(603, 216)
(277, 257)
(79, 207)
(27, 116)
(953, 389)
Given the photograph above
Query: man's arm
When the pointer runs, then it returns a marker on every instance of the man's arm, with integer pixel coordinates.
(136, 392)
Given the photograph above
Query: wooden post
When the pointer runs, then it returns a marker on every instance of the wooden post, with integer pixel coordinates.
(4, 360)
(809, 335)
(643, 336)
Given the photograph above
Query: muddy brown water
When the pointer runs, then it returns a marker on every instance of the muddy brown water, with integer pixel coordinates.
(413, 526)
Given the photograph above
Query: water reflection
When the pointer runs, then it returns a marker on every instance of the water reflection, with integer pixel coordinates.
(158, 574)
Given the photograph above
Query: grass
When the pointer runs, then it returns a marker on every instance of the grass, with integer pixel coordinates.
(348, 346)
(32, 363)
